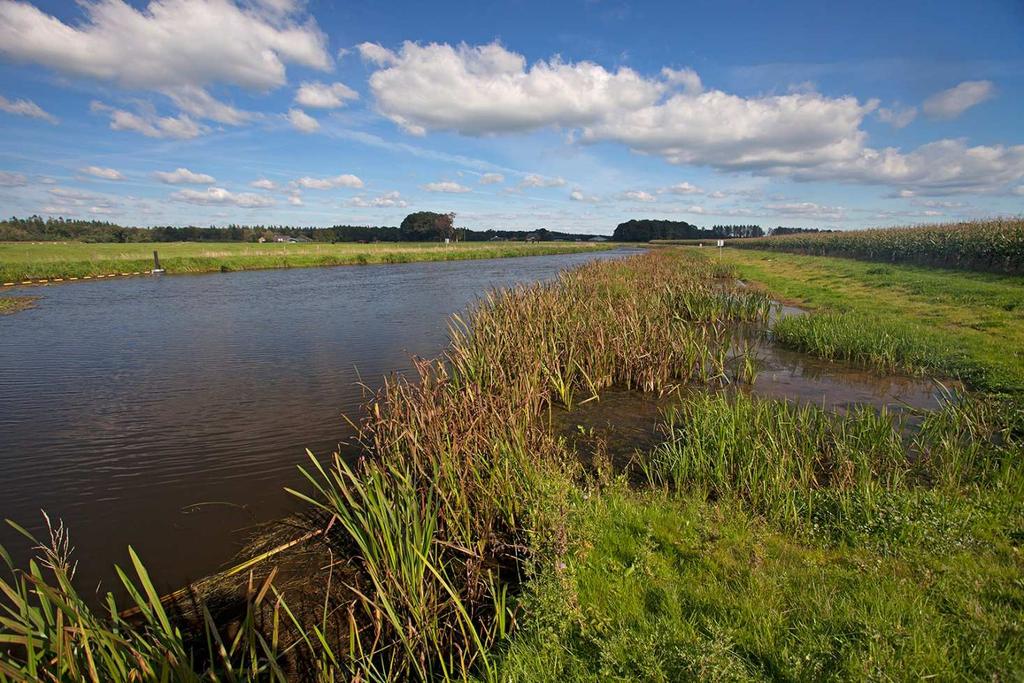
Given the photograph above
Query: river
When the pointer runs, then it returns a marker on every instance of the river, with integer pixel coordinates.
(170, 412)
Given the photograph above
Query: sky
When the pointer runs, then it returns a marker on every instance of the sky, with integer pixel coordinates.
(572, 115)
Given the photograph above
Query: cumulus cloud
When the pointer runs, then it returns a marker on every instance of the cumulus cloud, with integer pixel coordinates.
(26, 108)
(343, 180)
(324, 95)
(638, 196)
(198, 102)
(263, 184)
(147, 122)
(218, 196)
(951, 103)
(688, 78)
(387, 200)
(897, 116)
(728, 131)
(937, 168)
(489, 89)
(302, 121)
(102, 173)
(577, 195)
(8, 179)
(534, 180)
(175, 47)
(446, 186)
(183, 176)
(491, 178)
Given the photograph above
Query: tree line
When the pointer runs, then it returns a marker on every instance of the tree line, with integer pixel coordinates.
(645, 230)
(421, 226)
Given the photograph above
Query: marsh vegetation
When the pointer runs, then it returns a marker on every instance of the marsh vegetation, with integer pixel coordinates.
(760, 538)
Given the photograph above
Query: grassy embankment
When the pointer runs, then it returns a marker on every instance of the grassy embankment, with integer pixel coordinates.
(21, 261)
(899, 317)
(761, 540)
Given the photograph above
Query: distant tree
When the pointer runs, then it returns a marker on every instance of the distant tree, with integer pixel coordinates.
(427, 226)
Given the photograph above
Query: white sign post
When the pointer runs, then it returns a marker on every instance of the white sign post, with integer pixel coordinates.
(721, 243)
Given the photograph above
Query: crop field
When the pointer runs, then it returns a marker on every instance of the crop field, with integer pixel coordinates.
(759, 539)
(995, 246)
(21, 261)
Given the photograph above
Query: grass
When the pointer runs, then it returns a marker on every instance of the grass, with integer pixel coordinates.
(21, 261)
(13, 304)
(662, 587)
(768, 541)
(955, 323)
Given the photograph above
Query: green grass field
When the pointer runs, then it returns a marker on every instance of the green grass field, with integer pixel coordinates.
(970, 323)
(47, 260)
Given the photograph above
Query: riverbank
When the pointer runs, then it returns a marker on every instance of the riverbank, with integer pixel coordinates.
(964, 323)
(760, 539)
(21, 261)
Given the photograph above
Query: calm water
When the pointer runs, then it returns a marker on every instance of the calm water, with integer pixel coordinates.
(170, 412)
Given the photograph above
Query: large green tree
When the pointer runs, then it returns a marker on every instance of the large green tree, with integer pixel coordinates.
(427, 226)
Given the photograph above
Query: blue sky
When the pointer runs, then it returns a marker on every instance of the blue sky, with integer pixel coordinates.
(567, 115)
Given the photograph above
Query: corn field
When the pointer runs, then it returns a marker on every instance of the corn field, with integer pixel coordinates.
(994, 246)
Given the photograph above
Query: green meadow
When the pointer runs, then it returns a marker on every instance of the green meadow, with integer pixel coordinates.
(21, 261)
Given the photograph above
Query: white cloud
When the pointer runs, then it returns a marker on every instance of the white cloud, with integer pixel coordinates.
(682, 188)
(897, 116)
(491, 178)
(102, 173)
(807, 210)
(72, 194)
(198, 102)
(387, 200)
(183, 176)
(302, 121)
(489, 89)
(376, 54)
(446, 186)
(639, 196)
(263, 184)
(534, 180)
(8, 179)
(324, 95)
(176, 47)
(732, 132)
(295, 200)
(949, 104)
(577, 195)
(1019, 190)
(179, 127)
(344, 180)
(26, 108)
(937, 168)
(215, 196)
(688, 78)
